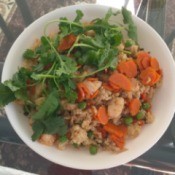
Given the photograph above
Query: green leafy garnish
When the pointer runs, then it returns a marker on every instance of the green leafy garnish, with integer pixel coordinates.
(49, 106)
(127, 19)
(6, 95)
(58, 72)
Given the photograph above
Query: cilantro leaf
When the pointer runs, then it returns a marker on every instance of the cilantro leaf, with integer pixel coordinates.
(6, 95)
(49, 106)
(20, 78)
(38, 129)
(52, 125)
(127, 19)
(79, 16)
(55, 125)
(11, 85)
(29, 54)
(69, 66)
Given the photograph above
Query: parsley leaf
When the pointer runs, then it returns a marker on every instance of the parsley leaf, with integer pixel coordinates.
(49, 106)
(6, 95)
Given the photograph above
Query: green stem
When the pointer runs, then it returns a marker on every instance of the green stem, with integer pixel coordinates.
(46, 76)
(92, 73)
(70, 50)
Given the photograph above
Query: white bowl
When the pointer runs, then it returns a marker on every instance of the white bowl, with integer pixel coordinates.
(163, 102)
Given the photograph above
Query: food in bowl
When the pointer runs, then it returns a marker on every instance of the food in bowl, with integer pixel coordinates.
(88, 85)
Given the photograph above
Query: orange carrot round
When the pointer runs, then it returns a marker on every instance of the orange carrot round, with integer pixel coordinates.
(142, 55)
(83, 91)
(112, 88)
(102, 115)
(119, 141)
(145, 62)
(120, 80)
(154, 64)
(149, 76)
(128, 68)
(134, 106)
(118, 130)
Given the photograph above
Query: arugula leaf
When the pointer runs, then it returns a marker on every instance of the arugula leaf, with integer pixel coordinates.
(6, 95)
(38, 129)
(127, 19)
(49, 106)
(29, 54)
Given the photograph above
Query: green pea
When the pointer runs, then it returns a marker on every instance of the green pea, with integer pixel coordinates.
(63, 139)
(140, 115)
(93, 149)
(89, 134)
(82, 105)
(146, 106)
(128, 120)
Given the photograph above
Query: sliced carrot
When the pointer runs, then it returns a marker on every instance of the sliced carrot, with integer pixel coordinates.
(134, 106)
(119, 141)
(67, 42)
(83, 91)
(160, 72)
(145, 62)
(154, 64)
(102, 115)
(157, 78)
(118, 130)
(120, 80)
(94, 94)
(149, 76)
(140, 57)
(112, 88)
(129, 68)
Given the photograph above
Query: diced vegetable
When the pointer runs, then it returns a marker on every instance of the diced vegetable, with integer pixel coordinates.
(102, 115)
(129, 68)
(93, 149)
(82, 105)
(128, 120)
(120, 80)
(134, 106)
(140, 116)
(146, 106)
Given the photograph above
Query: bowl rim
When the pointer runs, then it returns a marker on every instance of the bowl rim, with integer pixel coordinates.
(26, 141)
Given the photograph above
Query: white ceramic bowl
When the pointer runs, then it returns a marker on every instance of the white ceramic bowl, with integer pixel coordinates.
(163, 102)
